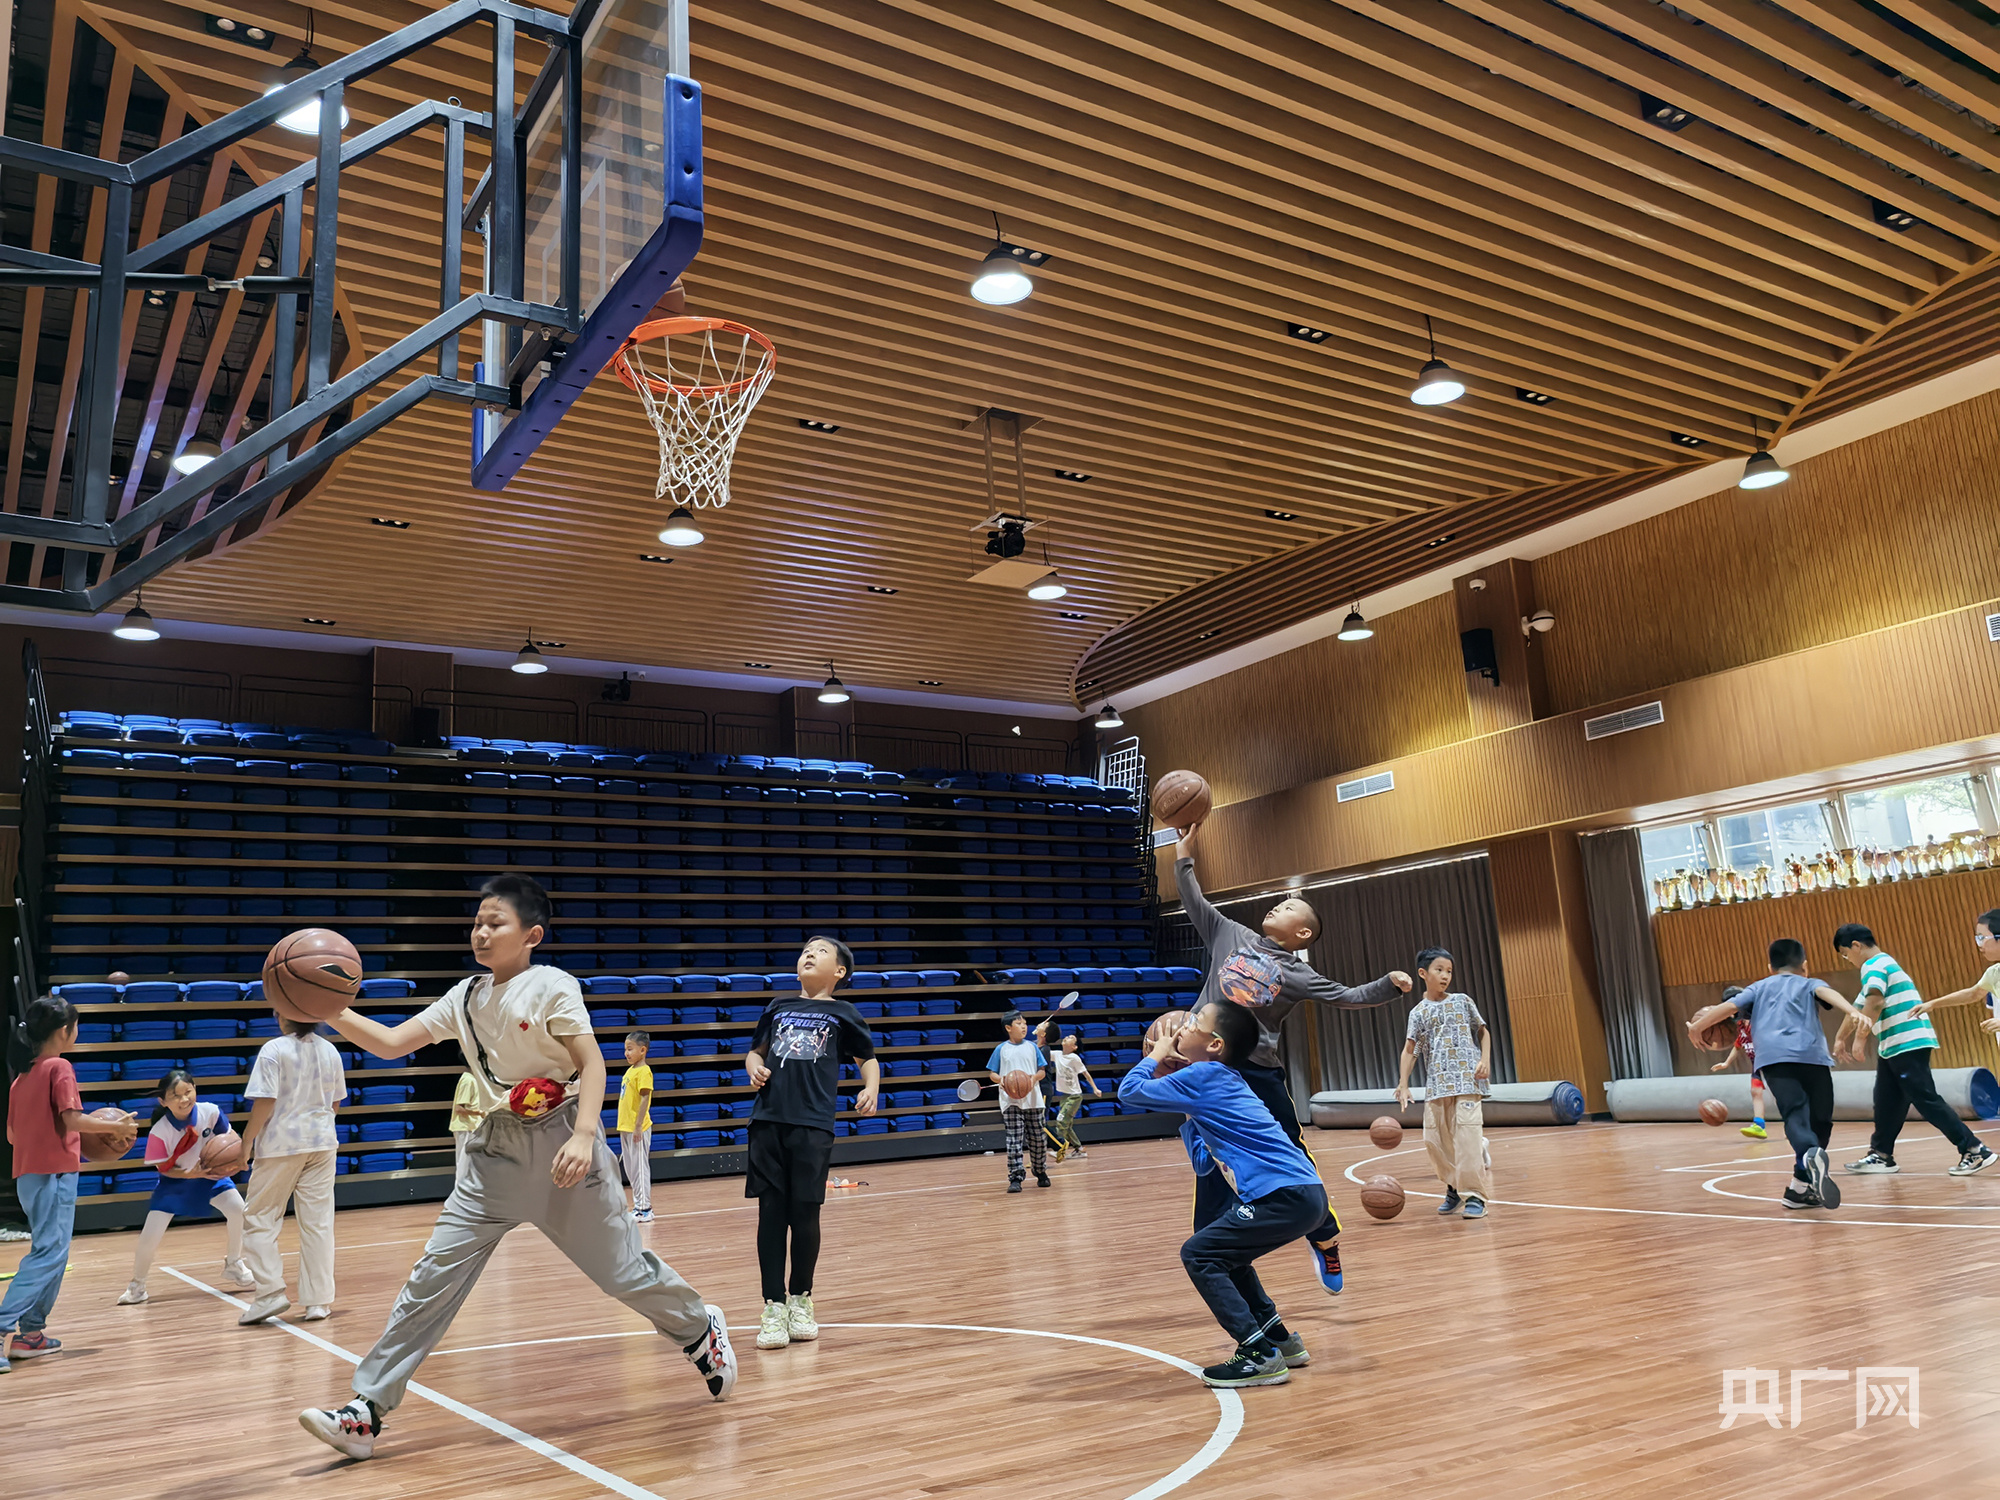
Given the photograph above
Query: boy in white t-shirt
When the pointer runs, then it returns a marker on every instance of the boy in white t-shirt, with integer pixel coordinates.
(1070, 1075)
(295, 1086)
(1022, 1117)
(537, 1157)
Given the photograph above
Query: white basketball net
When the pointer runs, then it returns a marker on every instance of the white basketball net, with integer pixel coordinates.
(698, 379)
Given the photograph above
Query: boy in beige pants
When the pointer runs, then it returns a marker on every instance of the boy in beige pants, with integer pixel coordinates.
(295, 1086)
(1442, 1025)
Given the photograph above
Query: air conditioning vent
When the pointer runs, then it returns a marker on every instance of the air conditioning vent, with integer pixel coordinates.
(1993, 627)
(1643, 717)
(1165, 836)
(1365, 786)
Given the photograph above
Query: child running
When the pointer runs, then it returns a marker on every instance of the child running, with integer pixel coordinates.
(1795, 1064)
(1442, 1028)
(794, 1065)
(295, 1086)
(182, 1125)
(1273, 1193)
(537, 1157)
(1745, 1047)
(45, 1126)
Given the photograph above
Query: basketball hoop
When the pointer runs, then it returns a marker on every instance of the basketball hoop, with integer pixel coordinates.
(698, 379)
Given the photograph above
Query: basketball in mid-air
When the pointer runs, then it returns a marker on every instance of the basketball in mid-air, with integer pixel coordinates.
(1386, 1132)
(1714, 1112)
(1180, 799)
(312, 975)
(1382, 1196)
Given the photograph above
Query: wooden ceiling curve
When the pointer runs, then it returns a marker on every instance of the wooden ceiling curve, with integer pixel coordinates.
(1202, 176)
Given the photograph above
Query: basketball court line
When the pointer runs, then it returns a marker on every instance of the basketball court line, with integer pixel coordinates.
(1228, 1424)
(1942, 1208)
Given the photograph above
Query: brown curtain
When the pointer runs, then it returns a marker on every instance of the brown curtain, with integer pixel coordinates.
(1377, 924)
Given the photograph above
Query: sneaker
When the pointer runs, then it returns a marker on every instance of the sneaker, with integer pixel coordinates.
(264, 1309)
(1755, 1130)
(1451, 1201)
(31, 1345)
(1326, 1266)
(642, 1216)
(775, 1330)
(316, 1314)
(1042, 1180)
(804, 1326)
(236, 1274)
(1475, 1208)
(133, 1295)
(1293, 1351)
(1013, 1184)
(1874, 1161)
(1821, 1180)
(1080, 1154)
(713, 1356)
(1266, 1367)
(1798, 1197)
(350, 1429)
(1974, 1161)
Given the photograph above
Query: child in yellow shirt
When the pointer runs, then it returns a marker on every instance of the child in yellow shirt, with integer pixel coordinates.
(635, 1124)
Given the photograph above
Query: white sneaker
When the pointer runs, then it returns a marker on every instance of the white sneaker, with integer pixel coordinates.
(264, 1309)
(236, 1274)
(775, 1331)
(133, 1295)
(316, 1314)
(804, 1326)
(714, 1355)
(351, 1429)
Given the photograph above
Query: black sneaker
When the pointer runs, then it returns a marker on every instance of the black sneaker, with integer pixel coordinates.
(1265, 1367)
(1821, 1179)
(1976, 1160)
(713, 1355)
(1013, 1184)
(1042, 1180)
(350, 1429)
(1798, 1197)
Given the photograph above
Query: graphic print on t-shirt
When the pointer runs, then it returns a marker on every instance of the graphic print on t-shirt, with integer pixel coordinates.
(803, 1037)
(1250, 978)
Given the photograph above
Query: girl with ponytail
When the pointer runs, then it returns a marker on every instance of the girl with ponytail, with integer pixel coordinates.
(45, 1125)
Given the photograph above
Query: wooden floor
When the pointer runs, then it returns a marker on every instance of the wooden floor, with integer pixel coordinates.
(1573, 1344)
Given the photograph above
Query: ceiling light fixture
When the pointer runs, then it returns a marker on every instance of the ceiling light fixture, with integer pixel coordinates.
(1000, 280)
(198, 454)
(813, 424)
(1354, 628)
(1070, 614)
(237, 31)
(1074, 476)
(1049, 587)
(654, 557)
(1658, 112)
(1891, 217)
(876, 588)
(833, 690)
(929, 682)
(760, 666)
(1533, 398)
(385, 521)
(1281, 515)
(315, 620)
(1762, 469)
(1307, 332)
(156, 298)
(305, 119)
(528, 660)
(1686, 440)
(1439, 541)
(680, 530)
(1437, 383)
(137, 624)
(1107, 718)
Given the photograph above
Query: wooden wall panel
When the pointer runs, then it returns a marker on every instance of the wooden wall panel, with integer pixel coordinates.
(1545, 947)
(1892, 528)
(1318, 710)
(1927, 924)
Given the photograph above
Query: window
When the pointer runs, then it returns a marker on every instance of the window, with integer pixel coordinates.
(1894, 817)
(1772, 835)
(1666, 850)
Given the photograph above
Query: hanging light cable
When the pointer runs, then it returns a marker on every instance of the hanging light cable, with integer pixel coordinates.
(1437, 382)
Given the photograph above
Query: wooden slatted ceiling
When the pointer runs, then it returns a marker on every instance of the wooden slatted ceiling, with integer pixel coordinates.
(1202, 175)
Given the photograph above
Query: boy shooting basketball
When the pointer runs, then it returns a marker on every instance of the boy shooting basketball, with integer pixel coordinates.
(1272, 1193)
(1794, 1062)
(1262, 972)
(537, 1157)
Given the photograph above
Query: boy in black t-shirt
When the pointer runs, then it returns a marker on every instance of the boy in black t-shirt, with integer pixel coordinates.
(794, 1064)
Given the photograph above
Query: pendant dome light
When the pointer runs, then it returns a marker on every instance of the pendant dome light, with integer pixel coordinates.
(1107, 718)
(1354, 628)
(833, 690)
(1437, 382)
(305, 119)
(198, 454)
(680, 530)
(1762, 469)
(137, 624)
(528, 661)
(1000, 280)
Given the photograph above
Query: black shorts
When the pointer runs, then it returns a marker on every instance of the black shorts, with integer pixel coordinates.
(788, 1161)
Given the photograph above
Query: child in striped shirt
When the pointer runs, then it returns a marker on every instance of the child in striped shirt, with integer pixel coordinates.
(1904, 1048)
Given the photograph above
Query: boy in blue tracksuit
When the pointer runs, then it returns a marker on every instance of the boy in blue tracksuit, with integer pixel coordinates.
(1277, 1198)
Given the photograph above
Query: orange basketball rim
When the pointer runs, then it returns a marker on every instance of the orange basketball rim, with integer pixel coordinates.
(698, 379)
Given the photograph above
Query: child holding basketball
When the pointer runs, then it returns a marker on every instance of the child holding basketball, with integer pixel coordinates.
(1273, 1192)
(1746, 1047)
(1442, 1027)
(1023, 1114)
(1070, 1076)
(45, 1126)
(295, 1086)
(182, 1125)
(537, 1157)
(1794, 1062)
(794, 1065)
(635, 1124)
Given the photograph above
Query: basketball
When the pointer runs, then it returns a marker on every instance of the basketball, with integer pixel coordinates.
(222, 1153)
(312, 975)
(1713, 1112)
(1172, 1021)
(1386, 1132)
(1717, 1036)
(117, 976)
(109, 1147)
(1016, 1085)
(1382, 1196)
(673, 302)
(1180, 799)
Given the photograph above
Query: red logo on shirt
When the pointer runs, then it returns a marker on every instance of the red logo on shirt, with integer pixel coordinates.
(524, 1025)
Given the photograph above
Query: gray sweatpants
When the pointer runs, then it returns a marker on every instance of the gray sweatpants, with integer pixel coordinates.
(505, 1181)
